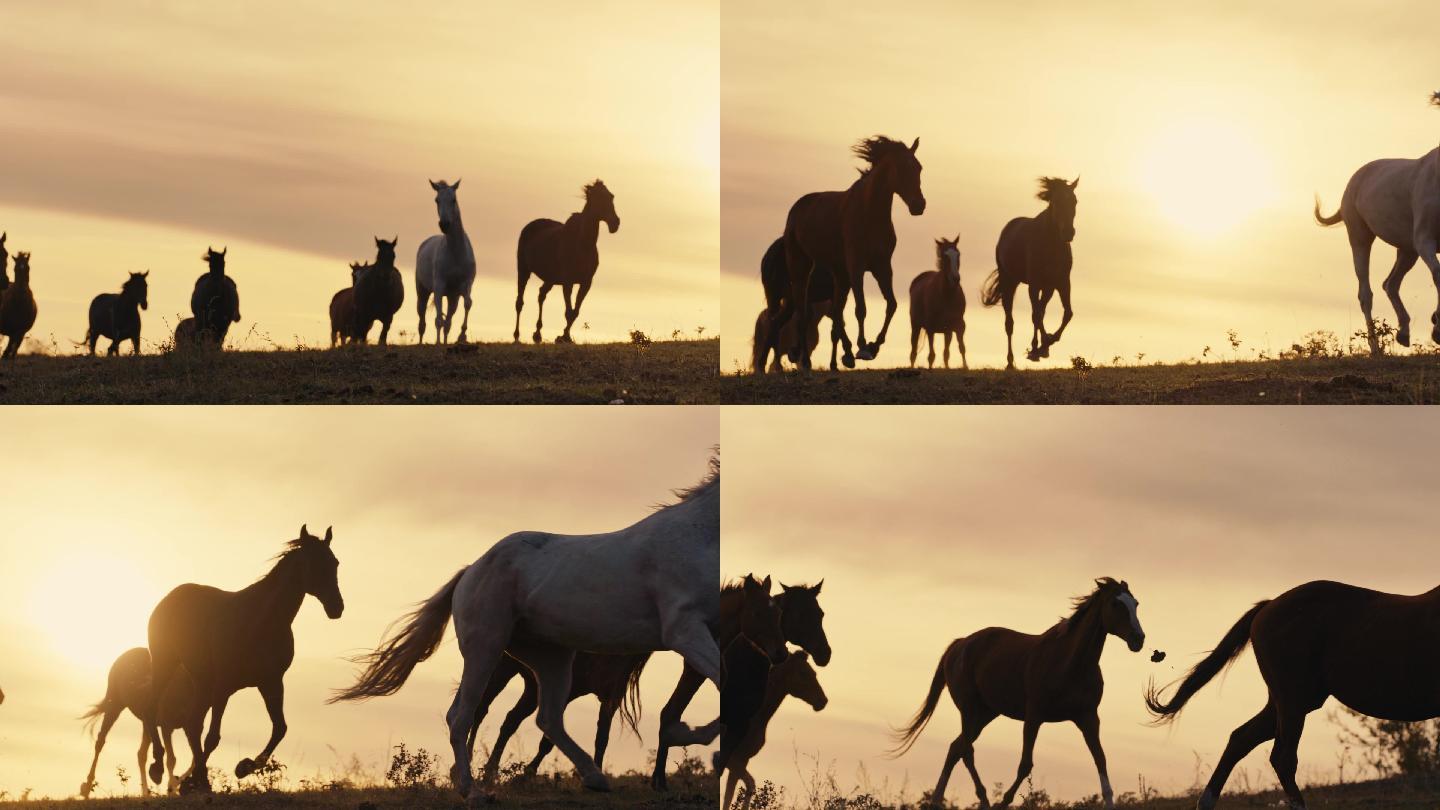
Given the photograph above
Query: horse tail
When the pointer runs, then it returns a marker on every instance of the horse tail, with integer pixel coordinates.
(990, 291)
(906, 737)
(388, 667)
(1333, 219)
(630, 706)
(1217, 661)
(760, 343)
(111, 702)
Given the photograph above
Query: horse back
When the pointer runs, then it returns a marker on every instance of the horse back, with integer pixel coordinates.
(813, 226)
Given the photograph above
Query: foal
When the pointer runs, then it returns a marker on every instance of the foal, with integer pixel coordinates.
(128, 688)
(752, 683)
(342, 309)
(17, 307)
(117, 315)
(1050, 678)
(937, 303)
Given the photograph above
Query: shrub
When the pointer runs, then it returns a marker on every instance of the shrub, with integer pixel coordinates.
(412, 769)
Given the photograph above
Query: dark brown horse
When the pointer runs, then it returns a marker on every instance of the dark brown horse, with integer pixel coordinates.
(1053, 677)
(937, 303)
(781, 339)
(128, 688)
(215, 302)
(614, 680)
(753, 693)
(742, 613)
(232, 640)
(379, 292)
(850, 232)
(564, 254)
(1036, 251)
(1377, 653)
(117, 315)
(17, 307)
(4, 264)
(342, 310)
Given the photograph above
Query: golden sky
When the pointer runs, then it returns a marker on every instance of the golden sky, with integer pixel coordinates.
(1200, 135)
(118, 506)
(930, 523)
(136, 135)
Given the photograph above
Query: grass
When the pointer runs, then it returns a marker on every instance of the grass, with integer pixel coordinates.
(649, 372)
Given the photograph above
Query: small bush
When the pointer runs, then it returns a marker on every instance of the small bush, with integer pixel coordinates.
(412, 769)
(640, 339)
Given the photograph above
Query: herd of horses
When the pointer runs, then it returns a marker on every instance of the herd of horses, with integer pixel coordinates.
(557, 253)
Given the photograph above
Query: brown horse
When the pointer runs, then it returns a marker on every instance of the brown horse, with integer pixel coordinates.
(1053, 677)
(342, 310)
(775, 277)
(767, 338)
(1036, 251)
(128, 688)
(937, 303)
(379, 292)
(4, 264)
(850, 232)
(564, 254)
(1374, 652)
(610, 678)
(742, 613)
(215, 302)
(756, 690)
(230, 641)
(117, 315)
(17, 307)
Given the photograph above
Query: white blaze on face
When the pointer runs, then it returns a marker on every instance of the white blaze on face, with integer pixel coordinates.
(1131, 605)
(952, 260)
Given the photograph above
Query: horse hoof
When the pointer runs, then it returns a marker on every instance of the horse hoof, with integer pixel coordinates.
(564, 339)
(481, 798)
(657, 783)
(244, 768)
(537, 338)
(848, 360)
(868, 351)
(597, 782)
(157, 772)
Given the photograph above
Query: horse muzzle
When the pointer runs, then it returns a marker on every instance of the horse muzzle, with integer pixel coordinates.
(335, 609)
(917, 207)
(1136, 643)
(613, 224)
(821, 655)
(144, 304)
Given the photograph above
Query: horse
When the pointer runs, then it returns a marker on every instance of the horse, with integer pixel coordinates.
(775, 278)
(1036, 251)
(17, 308)
(540, 597)
(215, 302)
(342, 309)
(752, 682)
(566, 254)
(746, 610)
(937, 303)
(128, 687)
(614, 680)
(379, 292)
(232, 640)
(1048, 678)
(1374, 652)
(445, 266)
(117, 315)
(1398, 200)
(851, 232)
(4, 263)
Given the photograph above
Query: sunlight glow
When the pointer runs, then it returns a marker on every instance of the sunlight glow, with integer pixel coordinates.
(1206, 175)
(91, 607)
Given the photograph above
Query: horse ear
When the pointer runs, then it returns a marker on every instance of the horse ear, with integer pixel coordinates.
(145, 274)
(818, 586)
(914, 146)
(1076, 183)
(304, 532)
(456, 186)
(224, 251)
(765, 583)
(395, 241)
(784, 587)
(329, 534)
(957, 238)
(434, 185)
(378, 241)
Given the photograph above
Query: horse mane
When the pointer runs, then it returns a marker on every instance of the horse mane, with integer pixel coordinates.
(590, 188)
(875, 149)
(1080, 604)
(711, 479)
(1050, 185)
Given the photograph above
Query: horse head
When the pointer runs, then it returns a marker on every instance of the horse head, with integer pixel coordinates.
(802, 620)
(446, 205)
(385, 251)
(947, 260)
(22, 268)
(137, 289)
(320, 570)
(897, 165)
(357, 272)
(601, 203)
(760, 619)
(798, 678)
(1120, 612)
(215, 260)
(1061, 196)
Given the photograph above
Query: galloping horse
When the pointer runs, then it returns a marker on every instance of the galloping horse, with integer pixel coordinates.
(937, 303)
(753, 693)
(117, 315)
(379, 292)
(17, 307)
(540, 597)
(215, 302)
(1377, 653)
(1050, 678)
(746, 610)
(445, 266)
(128, 687)
(1398, 200)
(771, 336)
(563, 254)
(232, 640)
(1036, 251)
(850, 232)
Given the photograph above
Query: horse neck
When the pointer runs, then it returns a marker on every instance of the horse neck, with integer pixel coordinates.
(275, 599)
(775, 694)
(589, 224)
(455, 239)
(1085, 639)
(876, 196)
(731, 601)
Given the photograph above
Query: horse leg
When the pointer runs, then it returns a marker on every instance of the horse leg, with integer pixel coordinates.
(540, 310)
(482, 645)
(730, 789)
(105, 723)
(685, 690)
(602, 729)
(1007, 299)
(140, 757)
(465, 320)
(1064, 290)
(855, 273)
(541, 751)
(837, 326)
(170, 784)
(114, 348)
(579, 302)
(505, 671)
(947, 348)
(1243, 740)
(930, 341)
(162, 669)
(1284, 756)
(1090, 730)
(385, 330)
(1037, 324)
(274, 696)
(1027, 758)
(972, 721)
(749, 782)
(885, 277)
(522, 278)
(914, 342)
(1360, 243)
(1427, 246)
(553, 666)
(440, 324)
(524, 707)
(1404, 260)
(422, 300)
(565, 290)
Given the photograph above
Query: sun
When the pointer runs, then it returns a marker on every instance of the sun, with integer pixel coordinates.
(91, 607)
(1206, 176)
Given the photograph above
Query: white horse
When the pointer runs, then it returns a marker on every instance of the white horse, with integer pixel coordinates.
(540, 597)
(1398, 200)
(445, 266)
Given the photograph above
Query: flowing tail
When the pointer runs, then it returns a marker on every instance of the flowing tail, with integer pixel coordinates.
(1333, 219)
(1216, 662)
(630, 707)
(906, 737)
(990, 293)
(388, 667)
(93, 715)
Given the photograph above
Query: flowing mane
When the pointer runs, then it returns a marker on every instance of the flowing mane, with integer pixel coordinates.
(591, 188)
(875, 149)
(711, 479)
(1104, 586)
(1050, 185)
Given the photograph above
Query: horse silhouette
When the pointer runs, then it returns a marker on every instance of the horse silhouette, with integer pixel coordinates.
(233, 640)
(1048, 678)
(746, 610)
(4, 264)
(1374, 652)
(342, 310)
(17, 307)
(379, 292)
(538, 597)
(937, 303)
(753, 693)
(215, 302)
(1036, 251)
(445, 266)
(117, 315)
(128, 688)
(781, 338)
(614, 680)
(566, 254)
(1398, 200)
(850, 232)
